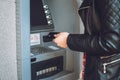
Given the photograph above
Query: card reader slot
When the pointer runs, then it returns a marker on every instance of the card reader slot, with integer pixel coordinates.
(49, 37)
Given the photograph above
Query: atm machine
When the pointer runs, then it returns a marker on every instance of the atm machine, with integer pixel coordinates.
(28, 52)
(48, 61)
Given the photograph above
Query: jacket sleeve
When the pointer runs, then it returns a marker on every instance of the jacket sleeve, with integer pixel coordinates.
(107, 41)
(106, 44)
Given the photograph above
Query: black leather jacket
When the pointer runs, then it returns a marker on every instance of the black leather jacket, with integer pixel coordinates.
(104, 40)
(100, 41)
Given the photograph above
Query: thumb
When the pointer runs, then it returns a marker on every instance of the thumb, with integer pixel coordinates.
(56, 35)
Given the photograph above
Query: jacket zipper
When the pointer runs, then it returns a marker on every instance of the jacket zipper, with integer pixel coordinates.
(105, 64)
(86, 7)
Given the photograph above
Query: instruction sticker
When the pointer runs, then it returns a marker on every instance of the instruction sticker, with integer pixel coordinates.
(35, 39)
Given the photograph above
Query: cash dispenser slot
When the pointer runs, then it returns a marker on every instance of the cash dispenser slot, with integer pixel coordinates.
(47, 68)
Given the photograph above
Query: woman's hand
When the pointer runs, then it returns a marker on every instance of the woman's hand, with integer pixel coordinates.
(61, 39)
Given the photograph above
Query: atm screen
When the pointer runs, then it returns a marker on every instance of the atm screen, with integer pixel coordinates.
(38, 17)
(37, 13)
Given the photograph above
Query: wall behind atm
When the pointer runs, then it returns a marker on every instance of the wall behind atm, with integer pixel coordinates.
(66, 18)
(8, 66)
